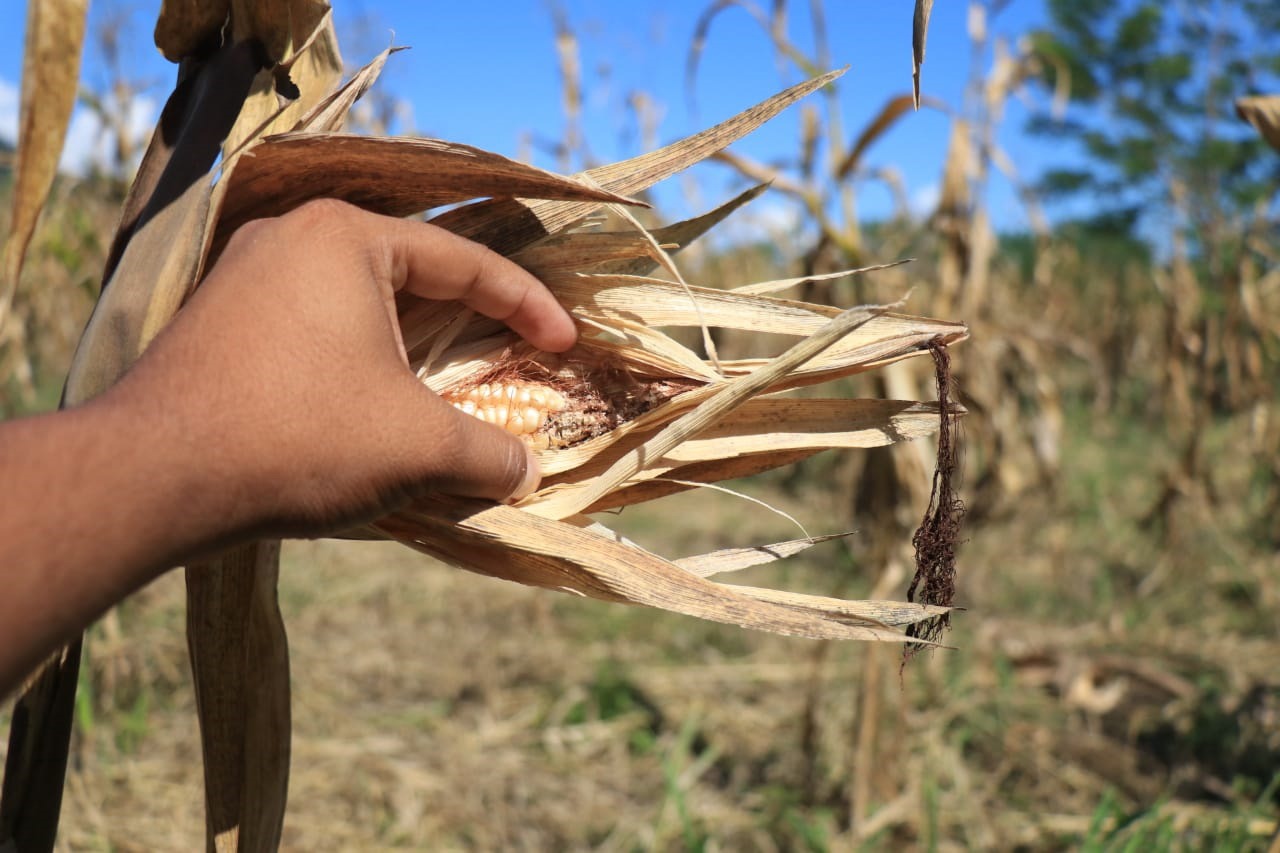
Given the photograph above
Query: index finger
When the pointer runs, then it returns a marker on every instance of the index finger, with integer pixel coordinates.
(433, 263)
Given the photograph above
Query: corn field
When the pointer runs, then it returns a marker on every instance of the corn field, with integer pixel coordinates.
(785, 441)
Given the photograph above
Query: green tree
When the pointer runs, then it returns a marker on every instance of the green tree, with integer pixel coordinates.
(1151, 89)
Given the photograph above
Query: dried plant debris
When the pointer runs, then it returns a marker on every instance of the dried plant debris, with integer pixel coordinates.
(919, 35)
(629, 414)
(51, 67)
(1263, 112)
(936, 538)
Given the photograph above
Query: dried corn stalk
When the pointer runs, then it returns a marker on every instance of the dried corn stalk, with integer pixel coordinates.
(628, 414)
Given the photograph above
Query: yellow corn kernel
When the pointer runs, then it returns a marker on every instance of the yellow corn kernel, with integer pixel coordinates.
(521, 408)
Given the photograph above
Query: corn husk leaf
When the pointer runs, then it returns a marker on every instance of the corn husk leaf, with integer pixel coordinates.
(681, 234)
(505, 542)
(765, 288)
(1263, 112)
(919, 35)
(280, 26)
(307, 67)
(779, 424)
(567, 255)
(392, 176)
(712, 420)
(330, 114)
(559, 501)
(185, 25)
(736, 559)
(681, 479)
(509, 225)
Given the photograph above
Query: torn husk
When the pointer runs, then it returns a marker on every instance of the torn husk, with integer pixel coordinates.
(629, 414)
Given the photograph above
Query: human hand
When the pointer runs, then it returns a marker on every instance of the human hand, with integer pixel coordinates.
(286, 374)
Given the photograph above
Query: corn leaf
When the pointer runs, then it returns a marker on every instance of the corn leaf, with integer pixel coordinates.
(306, 69)
(509, 225)
(893, 109)
(736, 559)
(279, 25)
(396, 177)
(186, 25)
(161, 256)
(240, 670)
(1263, 112)
(681, 234)
(50, 80)
(508, 543)
(919, 34)
(150, 268)
(331, 112)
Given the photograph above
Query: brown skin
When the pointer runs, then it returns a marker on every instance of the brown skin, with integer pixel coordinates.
(278, 403)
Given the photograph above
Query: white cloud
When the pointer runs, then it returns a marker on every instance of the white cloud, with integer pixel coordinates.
(8, 111)
(924, 200)
(769, 218)
(89, 143)
(85, 143)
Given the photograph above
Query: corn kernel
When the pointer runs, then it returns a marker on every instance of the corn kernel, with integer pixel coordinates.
(521, 408)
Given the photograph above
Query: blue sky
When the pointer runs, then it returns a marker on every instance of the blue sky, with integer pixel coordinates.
(486, 74)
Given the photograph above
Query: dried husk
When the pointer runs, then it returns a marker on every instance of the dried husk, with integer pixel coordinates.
(1263, 112)
(660, 418)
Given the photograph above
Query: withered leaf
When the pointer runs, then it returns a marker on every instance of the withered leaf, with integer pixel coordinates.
(186, 25)
(919, 33)
(396, 177)
(50, 75)
(1263, 112)
(509, 225)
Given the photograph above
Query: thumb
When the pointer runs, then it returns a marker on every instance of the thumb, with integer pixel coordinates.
(470, 458)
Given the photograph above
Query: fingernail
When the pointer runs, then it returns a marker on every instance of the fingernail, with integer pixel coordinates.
(532, 477)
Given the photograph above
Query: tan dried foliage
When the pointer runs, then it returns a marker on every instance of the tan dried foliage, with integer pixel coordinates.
(184, 26)
(50, 73)
(889, 114)
(640, 407)
(398, 177)
(308, 68)
(281, 26)
(919, 34)
(1263, 112)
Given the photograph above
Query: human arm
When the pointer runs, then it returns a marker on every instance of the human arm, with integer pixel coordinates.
(278, 402)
